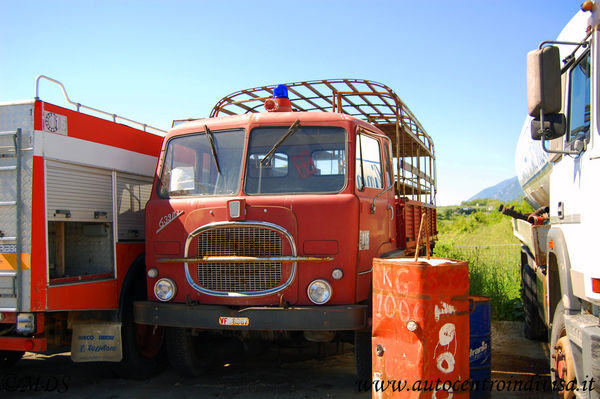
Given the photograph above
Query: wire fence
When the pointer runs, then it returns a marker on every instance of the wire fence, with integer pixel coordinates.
(491, 253)
(493, 272)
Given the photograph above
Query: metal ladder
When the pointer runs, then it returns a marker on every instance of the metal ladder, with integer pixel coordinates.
(10, 280)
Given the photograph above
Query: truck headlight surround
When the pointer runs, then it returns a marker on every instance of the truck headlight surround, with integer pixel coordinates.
(319, 292)
(165, 289)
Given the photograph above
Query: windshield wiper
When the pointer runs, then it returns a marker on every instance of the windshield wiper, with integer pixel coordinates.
(211, 141)
(295, 126)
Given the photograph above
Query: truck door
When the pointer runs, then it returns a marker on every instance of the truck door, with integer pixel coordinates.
(373, 188)
(574, 186)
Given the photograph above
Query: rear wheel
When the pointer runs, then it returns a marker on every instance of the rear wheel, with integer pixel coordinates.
(534, 327)
(8, 358)
(562, 366)
(190, 355)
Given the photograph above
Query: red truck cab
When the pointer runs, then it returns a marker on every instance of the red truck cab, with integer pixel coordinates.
(269, 221)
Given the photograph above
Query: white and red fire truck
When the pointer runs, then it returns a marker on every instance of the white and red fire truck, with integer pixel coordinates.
(266, 223)
(73, 191)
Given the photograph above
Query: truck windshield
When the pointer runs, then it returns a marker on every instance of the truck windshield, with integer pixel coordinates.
(190, 166)
(312, 160)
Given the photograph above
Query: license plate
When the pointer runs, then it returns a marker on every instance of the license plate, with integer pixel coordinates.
(234, 321)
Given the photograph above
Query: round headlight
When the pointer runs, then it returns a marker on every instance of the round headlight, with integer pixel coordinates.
(165, 289)
(319, 292)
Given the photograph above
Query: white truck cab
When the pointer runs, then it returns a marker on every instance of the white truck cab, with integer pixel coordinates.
(558, 163)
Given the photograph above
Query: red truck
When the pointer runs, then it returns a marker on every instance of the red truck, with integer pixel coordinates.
(266, 223)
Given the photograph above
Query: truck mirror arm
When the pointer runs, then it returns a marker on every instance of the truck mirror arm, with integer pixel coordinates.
(568, 60)
(580, 145)
(385, 190)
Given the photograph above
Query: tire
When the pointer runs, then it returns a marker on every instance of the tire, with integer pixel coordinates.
(562, 366)
(189, 355)
(362, 355)
(9, 358)
(534, 327)
(143, 351)
(143, 346)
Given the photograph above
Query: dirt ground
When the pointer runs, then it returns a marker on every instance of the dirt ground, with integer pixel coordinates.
(317, 371)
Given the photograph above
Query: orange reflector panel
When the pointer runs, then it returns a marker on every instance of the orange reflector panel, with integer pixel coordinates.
(596, 285)
(551, 244)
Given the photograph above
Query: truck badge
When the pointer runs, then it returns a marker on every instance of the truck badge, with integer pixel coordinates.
(165, 220)
(363, 240)
(55, 123)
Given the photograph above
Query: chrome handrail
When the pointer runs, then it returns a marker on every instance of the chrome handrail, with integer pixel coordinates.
(79, 105)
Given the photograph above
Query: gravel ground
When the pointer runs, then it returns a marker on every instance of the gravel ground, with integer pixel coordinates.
(315, 371)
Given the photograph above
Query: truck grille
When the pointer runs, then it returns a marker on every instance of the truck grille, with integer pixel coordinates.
(239, 277)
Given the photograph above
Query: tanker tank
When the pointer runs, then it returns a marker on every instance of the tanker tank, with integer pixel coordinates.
(533, 168)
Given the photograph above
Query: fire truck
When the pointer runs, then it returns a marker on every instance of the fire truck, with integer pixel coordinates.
(263, 223)
(74, 186)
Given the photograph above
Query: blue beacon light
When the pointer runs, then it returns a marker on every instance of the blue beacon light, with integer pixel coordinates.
(280, 101)
(281, 91)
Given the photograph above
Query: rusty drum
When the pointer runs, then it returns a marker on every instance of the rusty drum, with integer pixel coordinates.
(420, 343)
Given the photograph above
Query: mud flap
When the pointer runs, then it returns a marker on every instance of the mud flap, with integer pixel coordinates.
(97, 342)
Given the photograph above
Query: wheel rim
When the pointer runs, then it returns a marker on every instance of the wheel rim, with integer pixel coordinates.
(148, 340)
(564, 368)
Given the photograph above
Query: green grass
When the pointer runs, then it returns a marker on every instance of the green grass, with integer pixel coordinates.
(485, 239)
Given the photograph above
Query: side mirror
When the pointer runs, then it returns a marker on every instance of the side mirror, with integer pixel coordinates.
(543, 81)
(554, 127)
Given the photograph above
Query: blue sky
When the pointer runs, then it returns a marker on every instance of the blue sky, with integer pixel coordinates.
(458, 65)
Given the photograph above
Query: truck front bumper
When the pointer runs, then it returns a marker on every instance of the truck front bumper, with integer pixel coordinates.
(299, 318)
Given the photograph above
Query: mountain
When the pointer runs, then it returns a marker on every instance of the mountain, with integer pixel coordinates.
(507, 190)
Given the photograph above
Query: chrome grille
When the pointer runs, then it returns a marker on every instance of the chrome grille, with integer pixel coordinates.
(239, 277)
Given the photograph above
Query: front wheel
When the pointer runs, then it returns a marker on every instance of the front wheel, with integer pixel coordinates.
(190, 355)
(562, 366)
(143, 346)
(143, 350)
(362, 355)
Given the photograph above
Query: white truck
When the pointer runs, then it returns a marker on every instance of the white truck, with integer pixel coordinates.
(558, 163)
